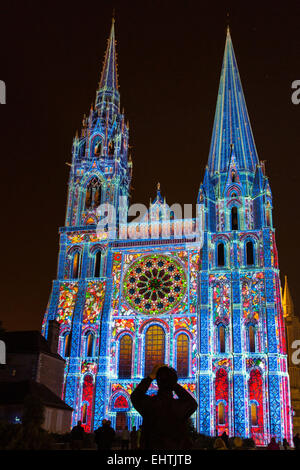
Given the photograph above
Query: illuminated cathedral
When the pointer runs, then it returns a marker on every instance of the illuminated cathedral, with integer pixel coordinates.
(212, 310)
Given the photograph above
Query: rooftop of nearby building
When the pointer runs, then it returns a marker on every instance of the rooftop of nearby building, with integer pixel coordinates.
(27, 342)
(14, 393)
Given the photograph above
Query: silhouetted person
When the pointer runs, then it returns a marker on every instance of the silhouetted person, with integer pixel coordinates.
(165, 419)
(99, 435)
(273, 445)
(77, 436)
(139, 436)
(296, 440)
(225, 439)
(104, 436)
(285, 444)
(109, 435)
(133, 438)
(125, 436)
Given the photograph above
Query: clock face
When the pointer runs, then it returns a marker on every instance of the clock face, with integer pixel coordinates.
(154, 284)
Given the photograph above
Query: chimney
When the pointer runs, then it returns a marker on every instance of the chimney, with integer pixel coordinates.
(53, 335)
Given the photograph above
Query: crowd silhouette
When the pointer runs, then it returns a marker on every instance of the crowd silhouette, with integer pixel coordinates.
(165, 421)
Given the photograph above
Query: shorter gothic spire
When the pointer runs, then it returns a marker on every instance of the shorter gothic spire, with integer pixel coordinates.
(159, 197)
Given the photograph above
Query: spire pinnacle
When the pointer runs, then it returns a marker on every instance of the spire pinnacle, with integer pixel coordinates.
(228, 22)
(232, 123)
(287, 301)
(108, 91)
(109, 77)
(158, 198)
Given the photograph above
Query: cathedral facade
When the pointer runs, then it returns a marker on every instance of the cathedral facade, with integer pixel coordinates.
(208, 304)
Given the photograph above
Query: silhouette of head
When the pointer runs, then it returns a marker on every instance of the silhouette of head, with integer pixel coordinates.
(219, 443)
(237, 442)
(166, 378)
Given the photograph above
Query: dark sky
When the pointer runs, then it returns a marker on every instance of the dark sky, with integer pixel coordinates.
(169, 57)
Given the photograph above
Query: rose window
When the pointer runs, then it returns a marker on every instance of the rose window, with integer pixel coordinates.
(154, 284)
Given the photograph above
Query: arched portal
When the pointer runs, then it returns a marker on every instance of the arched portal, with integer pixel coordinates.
(154, 347)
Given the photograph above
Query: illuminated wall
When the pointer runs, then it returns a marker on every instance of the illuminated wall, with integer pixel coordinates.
(214, 313)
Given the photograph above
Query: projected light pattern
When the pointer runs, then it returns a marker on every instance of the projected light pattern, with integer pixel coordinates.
(211, 311)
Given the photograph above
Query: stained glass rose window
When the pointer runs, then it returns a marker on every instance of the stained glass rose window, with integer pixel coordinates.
(154, 284)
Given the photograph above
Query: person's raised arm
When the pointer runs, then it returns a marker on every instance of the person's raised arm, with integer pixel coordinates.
(185, 397)
(138, 397)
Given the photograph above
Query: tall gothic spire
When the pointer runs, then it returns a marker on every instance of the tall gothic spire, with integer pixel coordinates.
(108, 85)
(231, 124)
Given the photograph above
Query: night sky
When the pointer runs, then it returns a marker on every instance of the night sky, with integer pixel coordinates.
(169, 61)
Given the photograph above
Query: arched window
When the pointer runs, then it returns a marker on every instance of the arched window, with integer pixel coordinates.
(251, 333)
(268, 214)
(249, 253)
(66, 344)
(76, 265)
(97, 197)
(253, 414)
(93, 194)
(233, 176)
(182, 355)
(154, 347)
(88, 198)
(221, 254)
(84, 413)
(121, 402)
(111, 148)
(121, 416)
(234, 218)
(90, 344)
(255, 385)
(98, 148)
(221, 331)
(82, 146)
(221, 400)
(97, 263)
(125, 357)
(87, 402)
(221, 413)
